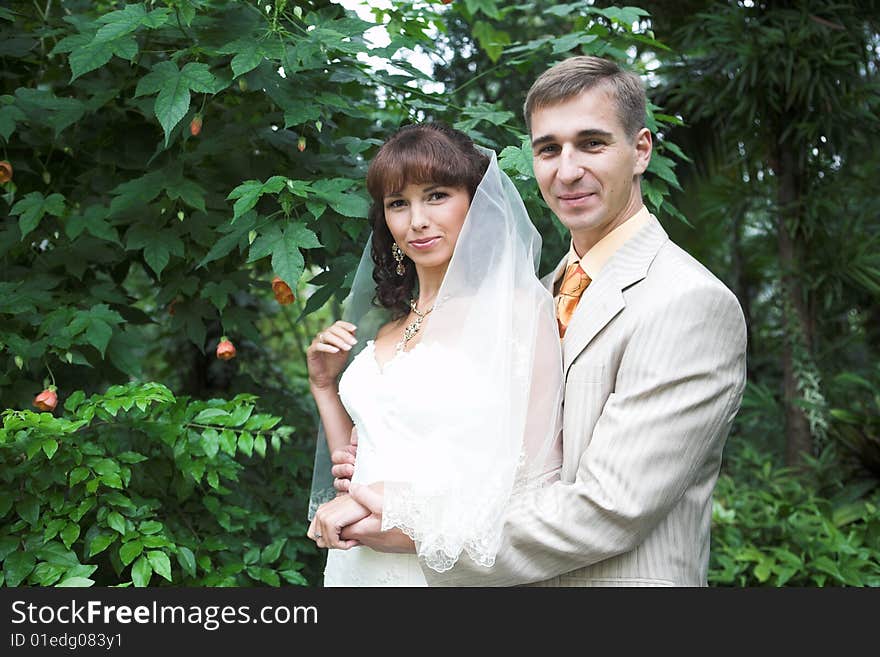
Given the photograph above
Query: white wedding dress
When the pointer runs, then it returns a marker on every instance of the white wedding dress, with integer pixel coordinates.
(397, 408)
(461, 424)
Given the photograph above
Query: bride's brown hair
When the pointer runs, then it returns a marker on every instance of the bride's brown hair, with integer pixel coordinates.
(419, 154)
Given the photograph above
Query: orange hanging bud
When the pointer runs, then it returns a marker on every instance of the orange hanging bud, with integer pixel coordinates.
(5, 172)
(281, 290)
(301, 144)
(47, 400)
(225, 350)
(195, 126)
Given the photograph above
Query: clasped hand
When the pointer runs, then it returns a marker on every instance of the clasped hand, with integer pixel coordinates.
(356, 519)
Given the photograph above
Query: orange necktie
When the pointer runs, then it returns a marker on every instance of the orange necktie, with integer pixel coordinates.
(573, 285)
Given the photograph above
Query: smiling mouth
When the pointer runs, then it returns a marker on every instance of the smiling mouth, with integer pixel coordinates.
(424, 243)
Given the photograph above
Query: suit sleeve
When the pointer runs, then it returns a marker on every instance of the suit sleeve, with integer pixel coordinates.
(678, 386)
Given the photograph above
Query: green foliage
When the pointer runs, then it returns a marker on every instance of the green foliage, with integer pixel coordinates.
(770, 527)
(136, 482)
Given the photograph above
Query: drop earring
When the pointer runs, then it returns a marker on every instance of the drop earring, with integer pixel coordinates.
(397, 254)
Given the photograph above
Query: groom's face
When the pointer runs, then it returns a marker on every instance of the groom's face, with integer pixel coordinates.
(586, 166)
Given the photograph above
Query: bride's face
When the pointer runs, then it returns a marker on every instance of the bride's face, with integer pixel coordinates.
(425, 220)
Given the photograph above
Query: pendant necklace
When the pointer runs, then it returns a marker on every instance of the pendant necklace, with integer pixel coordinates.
(410, 331)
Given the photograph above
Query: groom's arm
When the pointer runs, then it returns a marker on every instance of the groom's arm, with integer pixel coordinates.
(677, 390)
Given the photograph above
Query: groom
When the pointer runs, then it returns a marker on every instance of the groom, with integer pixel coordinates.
(654, 356)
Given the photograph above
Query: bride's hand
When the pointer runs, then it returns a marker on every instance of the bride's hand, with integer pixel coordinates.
(331, 518)
(327, 354)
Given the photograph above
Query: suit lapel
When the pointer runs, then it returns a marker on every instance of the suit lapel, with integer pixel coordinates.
(603, 299)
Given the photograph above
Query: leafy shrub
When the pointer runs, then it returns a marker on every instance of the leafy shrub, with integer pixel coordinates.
(136, 482)
(772, 527)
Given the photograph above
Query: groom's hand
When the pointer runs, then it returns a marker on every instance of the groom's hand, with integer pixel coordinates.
(369, 530)
(329, 520)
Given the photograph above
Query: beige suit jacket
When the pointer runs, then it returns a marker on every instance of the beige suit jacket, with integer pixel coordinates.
(654, 360)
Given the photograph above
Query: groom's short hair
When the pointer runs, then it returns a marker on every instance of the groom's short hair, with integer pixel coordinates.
(575, 75)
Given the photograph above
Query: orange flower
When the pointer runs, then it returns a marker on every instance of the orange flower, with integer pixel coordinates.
(47, 400)
(281, 290)
(225, 350)
(301, 144)
(5, 171)
(195, 126)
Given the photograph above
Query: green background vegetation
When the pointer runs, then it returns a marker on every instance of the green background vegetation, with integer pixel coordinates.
(130, 245)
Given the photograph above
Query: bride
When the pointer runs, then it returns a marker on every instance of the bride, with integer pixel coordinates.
(456, 391)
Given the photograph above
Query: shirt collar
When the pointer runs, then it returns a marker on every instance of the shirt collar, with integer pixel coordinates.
(596, 258)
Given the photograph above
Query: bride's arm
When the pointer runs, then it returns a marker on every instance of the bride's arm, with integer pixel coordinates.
(326, 357)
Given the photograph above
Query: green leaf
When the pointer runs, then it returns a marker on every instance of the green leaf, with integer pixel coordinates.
(237, 234)
(97, 53)
(44, 107)
(69, 534)
(210, 442)
(100, 543)
(150, 527)
(9, 116)
(57, 554)
(160, 563)
(129, 551)
(112, 480)
(517, 160)
(94, 219)
(78, 474)
(488, 7)
(249, 192)
(131, 457)
(571, 41)
(189, 192)
(158, 250)
(141, 572)
(272, 551)
(210, 415)
(294, 577)
(187, 560)
(218, 293)
(17, 567)
(298, 112)
(663, 167)
(33, 207)
(490, 39)
(50, 446)
(8, 545)
(28, 509)
(116, 521)
(134, 194)
(127, 20)
(287, 261)
(228, 441)
(53, 527)
(337, 193)
(174, 86)
(76, 581)
(246, 443)
(260, 445)
(46, 574)
(118, 499)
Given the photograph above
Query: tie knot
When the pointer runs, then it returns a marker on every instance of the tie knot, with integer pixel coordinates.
(573, 285)
(574, 282)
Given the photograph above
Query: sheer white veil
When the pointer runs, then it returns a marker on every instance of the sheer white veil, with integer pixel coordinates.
(494, 328)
